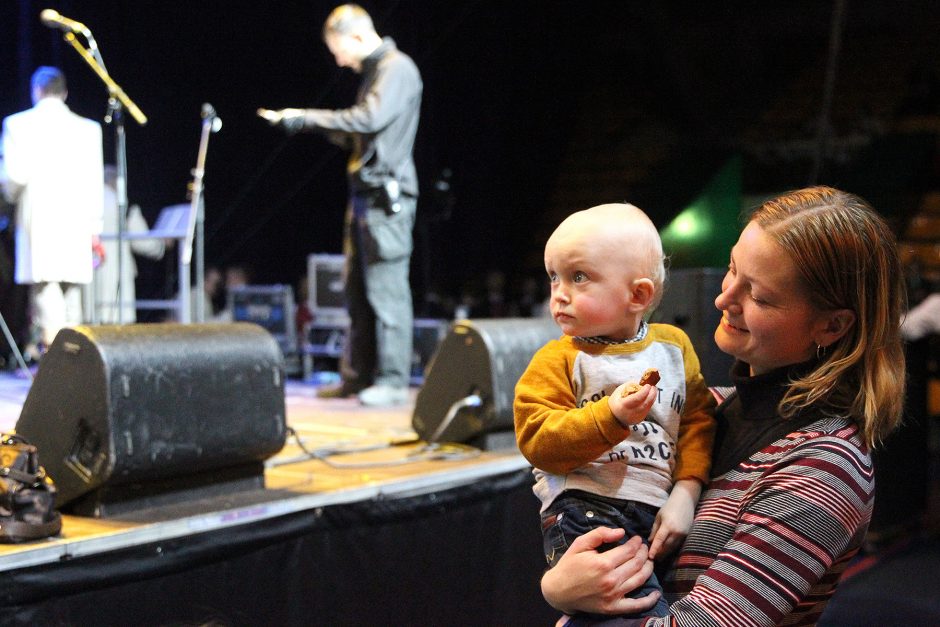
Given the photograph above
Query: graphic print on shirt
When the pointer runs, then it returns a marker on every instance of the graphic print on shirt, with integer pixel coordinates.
(652, 442)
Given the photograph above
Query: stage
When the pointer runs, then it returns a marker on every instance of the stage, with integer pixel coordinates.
(376, 529)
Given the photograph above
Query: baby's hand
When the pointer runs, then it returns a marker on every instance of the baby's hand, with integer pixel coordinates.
(674, 518)
(632, 401)
(631, 407)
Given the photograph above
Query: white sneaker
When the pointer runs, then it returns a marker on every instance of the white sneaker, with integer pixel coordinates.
(383, 396)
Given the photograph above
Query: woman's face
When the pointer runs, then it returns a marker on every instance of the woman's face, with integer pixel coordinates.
(766, 320)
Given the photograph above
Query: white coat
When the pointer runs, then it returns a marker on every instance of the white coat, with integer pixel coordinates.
(54, 171)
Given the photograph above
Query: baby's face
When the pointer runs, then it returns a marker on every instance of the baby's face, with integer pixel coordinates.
(590, 282)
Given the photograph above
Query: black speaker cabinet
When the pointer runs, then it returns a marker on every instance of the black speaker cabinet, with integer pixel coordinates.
(689, 303)
(470, 382)
(138, 416)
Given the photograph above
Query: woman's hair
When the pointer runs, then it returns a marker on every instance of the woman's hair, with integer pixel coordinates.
(847, 259)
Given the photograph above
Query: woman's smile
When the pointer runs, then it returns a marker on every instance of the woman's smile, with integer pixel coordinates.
(731, 327)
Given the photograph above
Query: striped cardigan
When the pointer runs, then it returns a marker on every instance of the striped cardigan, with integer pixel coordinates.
(773, 533)
(772, 536)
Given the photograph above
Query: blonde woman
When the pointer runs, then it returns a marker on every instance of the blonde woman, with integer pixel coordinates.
(811, 307)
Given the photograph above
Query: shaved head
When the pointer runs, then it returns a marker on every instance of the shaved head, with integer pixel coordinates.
(618, 231)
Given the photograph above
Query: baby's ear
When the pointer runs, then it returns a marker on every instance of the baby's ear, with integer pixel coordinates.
(642, 293)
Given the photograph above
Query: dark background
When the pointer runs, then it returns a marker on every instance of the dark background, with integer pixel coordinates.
(512, 91)
(536, 109)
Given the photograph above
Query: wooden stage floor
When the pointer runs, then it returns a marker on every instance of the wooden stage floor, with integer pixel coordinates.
(362, 454)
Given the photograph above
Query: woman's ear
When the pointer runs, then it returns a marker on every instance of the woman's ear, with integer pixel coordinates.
(642, 293)
(837, 324)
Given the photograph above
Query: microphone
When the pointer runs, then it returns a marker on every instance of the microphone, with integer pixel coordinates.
(208, 113)
(53, 19)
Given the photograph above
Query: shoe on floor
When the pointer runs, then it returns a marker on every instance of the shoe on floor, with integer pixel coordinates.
(342, 390)
(383, 396)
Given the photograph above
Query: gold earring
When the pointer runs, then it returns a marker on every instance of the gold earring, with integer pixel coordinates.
(820, 351)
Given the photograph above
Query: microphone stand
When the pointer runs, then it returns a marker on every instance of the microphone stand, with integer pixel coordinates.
(211, 123)
(117, 102)
(115, 116)
(15, 348)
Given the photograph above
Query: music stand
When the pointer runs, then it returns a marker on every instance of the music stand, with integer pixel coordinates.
(172, 223)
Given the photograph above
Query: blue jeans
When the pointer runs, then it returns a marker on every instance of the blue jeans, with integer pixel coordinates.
(574, 513)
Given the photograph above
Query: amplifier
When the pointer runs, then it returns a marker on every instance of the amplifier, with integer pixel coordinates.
(689, 303)
(326, 282)
(270, 307)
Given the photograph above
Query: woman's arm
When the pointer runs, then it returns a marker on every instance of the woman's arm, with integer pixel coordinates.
(777, 552)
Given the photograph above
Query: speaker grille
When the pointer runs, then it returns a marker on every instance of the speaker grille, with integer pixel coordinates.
(121, 405)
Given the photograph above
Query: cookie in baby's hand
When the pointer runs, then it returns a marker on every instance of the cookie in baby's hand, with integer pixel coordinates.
(650, 377)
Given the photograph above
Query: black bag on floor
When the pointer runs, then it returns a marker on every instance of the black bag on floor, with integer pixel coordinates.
(27, 495)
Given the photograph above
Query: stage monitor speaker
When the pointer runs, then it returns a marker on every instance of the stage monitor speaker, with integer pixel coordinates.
(140, 416)
(470, 383)
(689, 303)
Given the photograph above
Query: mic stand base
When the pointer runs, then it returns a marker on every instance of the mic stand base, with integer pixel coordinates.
(15, 348)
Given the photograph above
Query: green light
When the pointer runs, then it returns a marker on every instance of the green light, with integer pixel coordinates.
(692, 224)
(701, 235)
(686, 225)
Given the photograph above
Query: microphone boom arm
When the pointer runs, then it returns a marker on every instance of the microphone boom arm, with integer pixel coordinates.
(113, 88)
(116, 103)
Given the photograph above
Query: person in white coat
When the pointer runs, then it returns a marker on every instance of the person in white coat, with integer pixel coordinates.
(54, 175)
(922, 320)
(106, 285)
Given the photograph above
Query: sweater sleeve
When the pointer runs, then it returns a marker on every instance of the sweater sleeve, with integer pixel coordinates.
(697, 423)
(395, 87)
(552, 433)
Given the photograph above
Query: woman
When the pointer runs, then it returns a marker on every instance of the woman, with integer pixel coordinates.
(810, 308)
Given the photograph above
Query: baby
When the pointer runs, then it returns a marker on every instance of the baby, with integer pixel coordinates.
(607, 270)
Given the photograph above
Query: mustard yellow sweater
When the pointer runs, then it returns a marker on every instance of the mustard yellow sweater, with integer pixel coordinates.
(565, 428)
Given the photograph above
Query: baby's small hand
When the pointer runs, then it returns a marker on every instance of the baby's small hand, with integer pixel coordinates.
(674, 519)
(631, 408)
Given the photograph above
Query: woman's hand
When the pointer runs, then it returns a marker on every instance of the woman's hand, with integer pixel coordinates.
(584, 580)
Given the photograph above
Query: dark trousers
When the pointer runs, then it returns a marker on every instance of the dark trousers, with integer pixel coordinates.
(574, 513)
(377, 244)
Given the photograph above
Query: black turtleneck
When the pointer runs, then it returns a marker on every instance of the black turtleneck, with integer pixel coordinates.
(748, 420)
